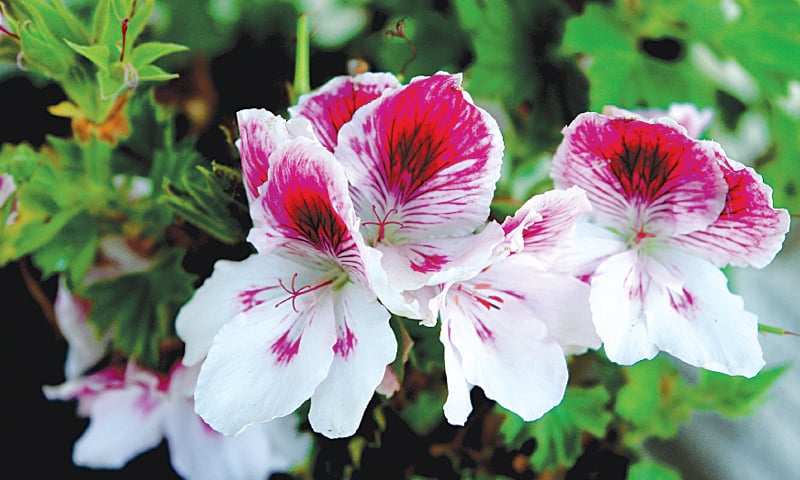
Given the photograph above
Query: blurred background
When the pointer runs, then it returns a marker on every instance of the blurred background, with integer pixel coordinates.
(535, 65)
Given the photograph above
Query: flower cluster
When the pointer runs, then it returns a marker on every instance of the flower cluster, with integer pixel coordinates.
(373, 200)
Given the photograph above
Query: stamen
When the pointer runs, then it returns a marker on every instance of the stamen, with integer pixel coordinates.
(296, 292)
(382, 222)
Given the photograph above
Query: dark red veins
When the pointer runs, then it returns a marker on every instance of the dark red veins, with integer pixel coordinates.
(646, 158)
(425, 131)
(311, 218)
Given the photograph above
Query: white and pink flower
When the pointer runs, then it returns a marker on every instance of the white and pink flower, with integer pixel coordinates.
(297, 320)
(507, 328)
(132, 409)
(668, 212)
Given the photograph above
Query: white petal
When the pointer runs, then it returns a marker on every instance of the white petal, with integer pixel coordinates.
(641, 177)
(410, 267)
(458, 405)
(749, 231)
(365, 346)
(503, 347)
(559, 300)
(306, 209)
(124, 423)
(232, 288)
(618, 290)
(200, 453)
(265, 363)
(592, 245)
(704, 324)
(546, 223)
(85, 348)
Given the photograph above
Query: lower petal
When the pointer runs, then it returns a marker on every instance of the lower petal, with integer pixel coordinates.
(134, 411)
(196, 451)
(365, 345)
(458, 405)
(618, 290)
(232, 288)
(264, 364)
(705, 325)
(504, 349)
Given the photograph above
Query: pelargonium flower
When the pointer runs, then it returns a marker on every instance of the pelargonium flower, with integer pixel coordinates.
(422, 161)
(507, 328)
(668, 212)
(297, 320)
(148, 407)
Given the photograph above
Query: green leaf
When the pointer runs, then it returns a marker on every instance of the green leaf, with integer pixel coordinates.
(781, 166)
(147, 53)
(98, 54)
(649, 470)
(733, 396)
(201, 198)
(560, 431)
(152, 73)
(653, 400)
(140, 308)
(424, 413)
(71, 251)
(427, 352)
(606, 39)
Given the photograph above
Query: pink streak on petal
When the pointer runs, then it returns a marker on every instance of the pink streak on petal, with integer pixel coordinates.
(248, 298)
(334, 103)
(345, 342)
(641, 175)
(682, 302)
(285, 348)
(428, 263)
(749, 231)
(425, 141)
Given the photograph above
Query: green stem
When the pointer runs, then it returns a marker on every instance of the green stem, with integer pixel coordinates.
(301, 66)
